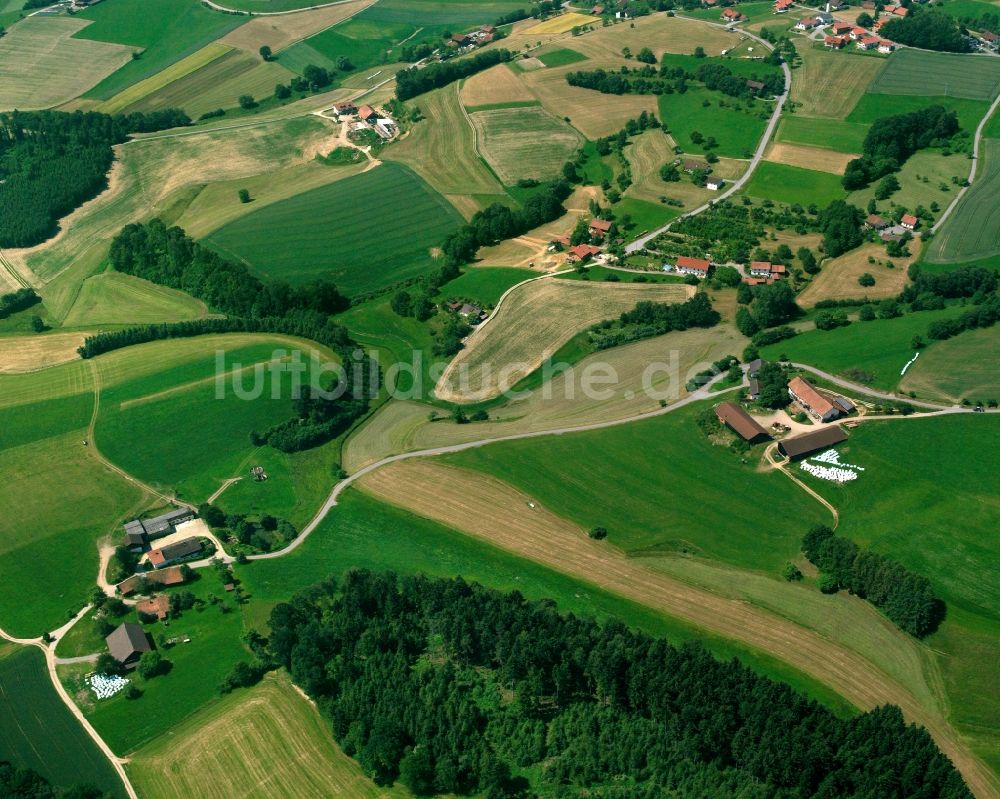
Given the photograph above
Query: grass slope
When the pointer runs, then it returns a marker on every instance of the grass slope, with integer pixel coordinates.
(526, 142)
(960, 368)
(165, 31)
(792, 184)
(364, 233)
(113, 298)
(37, 731)
(921, 72)
(265, 741)
(485, 285)
(736, 131)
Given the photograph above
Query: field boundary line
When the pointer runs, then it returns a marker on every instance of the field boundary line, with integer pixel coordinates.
(242, 13)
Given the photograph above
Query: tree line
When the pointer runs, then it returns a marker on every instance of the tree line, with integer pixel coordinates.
(892, 140)
(317, 419)
(906, 598)
(17, 301)
(450, 687)
(648, 319)
(51, 162)
(929, 29)
(671, 79)
(412, 82)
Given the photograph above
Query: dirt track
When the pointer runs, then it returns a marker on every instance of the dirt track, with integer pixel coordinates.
(417, 485)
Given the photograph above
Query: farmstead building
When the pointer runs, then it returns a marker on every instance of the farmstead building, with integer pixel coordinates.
(692, 266)
(818, 406)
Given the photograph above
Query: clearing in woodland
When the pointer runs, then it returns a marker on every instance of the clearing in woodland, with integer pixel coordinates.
(264, 741)
(42, 65)
(535, 320)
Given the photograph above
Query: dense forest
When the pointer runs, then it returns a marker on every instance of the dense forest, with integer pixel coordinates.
(928, 29)
(498, 222)
(169, 257)
(450, 687)
(650, 319)
(891, 140)
(23, 783)
(17, 301)
(906, 598)
(51, 162)
(671, 79)
(411, 82)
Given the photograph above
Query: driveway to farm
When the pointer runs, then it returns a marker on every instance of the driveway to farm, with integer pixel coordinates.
(861, 389)
(738, 184)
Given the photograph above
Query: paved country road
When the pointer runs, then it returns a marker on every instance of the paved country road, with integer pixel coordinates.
(738, 184)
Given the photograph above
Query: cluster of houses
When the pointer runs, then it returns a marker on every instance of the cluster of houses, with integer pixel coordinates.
(465, 41)
(366, 117)
(764, 273)
(139, 533)
(598, 229)
(760, 272)
(890, 232)
(620, 10)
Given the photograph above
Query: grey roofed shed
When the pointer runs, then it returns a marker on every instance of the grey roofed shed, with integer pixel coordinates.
(127, 642)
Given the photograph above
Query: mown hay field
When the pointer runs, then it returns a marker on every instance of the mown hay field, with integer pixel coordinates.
(524, 142)
(737, 132)
(831, 134)
(42, 65)
(176, 71)
(114, 298)
(499, 84)
(562, 23)
(838, 279)
(266, 741)
(973, 229)
(278, 32)
(364, 233)
(658, 32)
(813, 158)
(963, 367)
(37, 731)
(442, 149)
(920, 72)
(165, 32)
(27, 353)
(537, 319)
(829, 84)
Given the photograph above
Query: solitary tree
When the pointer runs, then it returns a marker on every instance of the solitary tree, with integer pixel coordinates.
(265, 52)
(244, 195)
(247, 102)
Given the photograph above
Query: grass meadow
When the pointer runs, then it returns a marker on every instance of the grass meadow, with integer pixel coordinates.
(833, 134)
(737, 132)
(526, 142)
(199, 666)
(873, 106)
(361, 531)
(561, 57)
(264, 741)
(114, 298)
(43, 65)
(364, 233)
(963, 367)
(794, 185)
(165, 32)
(881, 347)
(673, 507)
(37, 731)
(920, 72)
(973, 229)
(485, 285)
(829, 84)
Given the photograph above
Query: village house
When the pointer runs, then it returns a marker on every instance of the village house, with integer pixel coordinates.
(126, 643)
(909, 221)
(597, 11)
(696, 166)
(172, 575)
(345, 109)
(487, 29)
(885, 46)
(818, 406)
(367, 114)
(989, 38)
(834, 42)
(753, 388)
(739, 421)
(782, 6)
(731, 15)
(806, 444)
(459, 40)
(139, 532)
(824, 18)
(868, 43)
(755, 85)
(857, 33)
(805, 24)
(900, 11)
(173, 552)
(714, 184)
(875, 222)
(158, 606)
(599, 228)
(841, 28)
(692, 266)
(581, 253)
(765, 269)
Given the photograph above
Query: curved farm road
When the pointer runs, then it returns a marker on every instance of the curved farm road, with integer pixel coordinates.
(241, 12)
(758, 156)
(50, 662)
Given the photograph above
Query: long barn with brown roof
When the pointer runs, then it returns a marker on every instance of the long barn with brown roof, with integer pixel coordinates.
(739, 421)
(803, 445)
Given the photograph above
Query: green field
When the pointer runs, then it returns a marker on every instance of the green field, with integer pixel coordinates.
(833, 134)
(364, 233)
(973, 229)
(561, 57)
(792, 184)
(737, 132)
(936, 513)
(485, 285)
(363, 531)
(37, 731)
(165, 31)
(524, 142)
(963, 367)
(881, 347)
(198, 668)
(874, 106)
(920, 72)
(645, 506)
(113, 298)
(644, 215)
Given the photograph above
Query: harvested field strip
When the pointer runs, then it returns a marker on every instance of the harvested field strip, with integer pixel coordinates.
(535, 319)
(498, 84)
(264, 742)
(561, 24)
(28, 353)
(809, 157)
(973, 229)
(180, 69)
(829, 85)
(838, 279)
(524, 142)
(41, 65)
(281, 31)
(547, 539)
(920, 72)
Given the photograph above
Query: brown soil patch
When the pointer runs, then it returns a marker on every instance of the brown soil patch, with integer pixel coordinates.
(809, 157)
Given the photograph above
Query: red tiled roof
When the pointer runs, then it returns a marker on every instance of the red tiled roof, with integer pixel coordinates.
(602, 225)
(805, 391)
(584, 250)
(686, 262)
(909, 219)
(760, 266)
